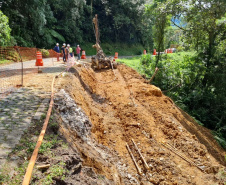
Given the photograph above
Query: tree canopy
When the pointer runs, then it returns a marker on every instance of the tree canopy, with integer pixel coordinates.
(203, 30)
(42, 23)
(4, 30)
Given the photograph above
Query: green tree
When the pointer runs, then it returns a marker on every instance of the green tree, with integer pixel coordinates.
(4, 30)
(204, 31)
(161, 21)
(42, 23)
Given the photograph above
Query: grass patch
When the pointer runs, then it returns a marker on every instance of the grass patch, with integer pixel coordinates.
(17, 177)
(134, 62)
(110, 49)
(145, 64)
(2, 62)
(58, 170)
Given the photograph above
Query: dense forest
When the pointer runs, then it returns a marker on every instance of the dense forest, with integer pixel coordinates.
(43, 23)
(194, 77)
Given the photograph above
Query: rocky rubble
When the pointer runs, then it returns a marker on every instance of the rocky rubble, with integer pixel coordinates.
(72, 115)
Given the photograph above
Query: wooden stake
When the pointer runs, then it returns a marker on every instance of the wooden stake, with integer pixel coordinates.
(43, 166)
(142, 157)
(168, 146)
(138, 169)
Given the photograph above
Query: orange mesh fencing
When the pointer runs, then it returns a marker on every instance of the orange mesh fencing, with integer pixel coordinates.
(10, 75)
(52, 53)
(17, 63)
(27, 53)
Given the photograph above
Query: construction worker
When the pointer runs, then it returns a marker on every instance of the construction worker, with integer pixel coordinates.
(78, 50)
(57, 49)
(70, 51)
(63, 50)
(67, 51)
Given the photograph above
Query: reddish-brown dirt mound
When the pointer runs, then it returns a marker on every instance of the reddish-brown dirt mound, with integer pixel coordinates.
(128, 108)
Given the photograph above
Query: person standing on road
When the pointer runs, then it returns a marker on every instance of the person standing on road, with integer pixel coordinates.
(78, 50)
(67, 51)
(63, 50)
(70, 51)
(57, 49)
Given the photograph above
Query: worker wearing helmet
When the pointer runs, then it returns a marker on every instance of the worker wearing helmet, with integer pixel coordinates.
(78, 50)
(67, 51)
(57, 49)
(70, 51)
(63, 51)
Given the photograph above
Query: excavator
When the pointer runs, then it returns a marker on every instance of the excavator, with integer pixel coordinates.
(100, 61)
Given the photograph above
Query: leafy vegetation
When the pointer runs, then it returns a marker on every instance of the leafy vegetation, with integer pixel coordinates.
(4, 30)
(202, 25)
(45, 53)
(123, 49)
(5, 61)
(57, 170)
(71, 22)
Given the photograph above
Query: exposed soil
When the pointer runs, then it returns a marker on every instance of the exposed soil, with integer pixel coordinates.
(100, 111)
(128, 108)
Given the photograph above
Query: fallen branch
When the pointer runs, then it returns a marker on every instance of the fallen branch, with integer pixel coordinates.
(168, 146)
(153, 76)
(142, 157)
(138, 169)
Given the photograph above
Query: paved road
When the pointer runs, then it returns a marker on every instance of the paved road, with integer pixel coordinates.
(28, 64)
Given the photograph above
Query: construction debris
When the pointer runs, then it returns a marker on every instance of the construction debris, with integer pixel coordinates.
(72, 115)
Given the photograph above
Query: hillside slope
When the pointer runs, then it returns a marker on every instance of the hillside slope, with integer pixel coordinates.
(128, 108)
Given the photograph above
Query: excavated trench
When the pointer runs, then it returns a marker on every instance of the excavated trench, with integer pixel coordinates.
(98, 119)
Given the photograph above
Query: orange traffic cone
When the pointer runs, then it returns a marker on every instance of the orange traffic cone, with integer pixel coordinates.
(145, 52)
(154, 53)
(116, 55)
(39, 61)
(83, 55)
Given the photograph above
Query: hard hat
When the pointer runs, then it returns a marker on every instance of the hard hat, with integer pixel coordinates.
(57, 44)
(77, 45)
(64, 44)
(68, 45)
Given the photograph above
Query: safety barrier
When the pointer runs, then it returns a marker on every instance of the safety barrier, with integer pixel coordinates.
(116, 55)
(83, 55)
